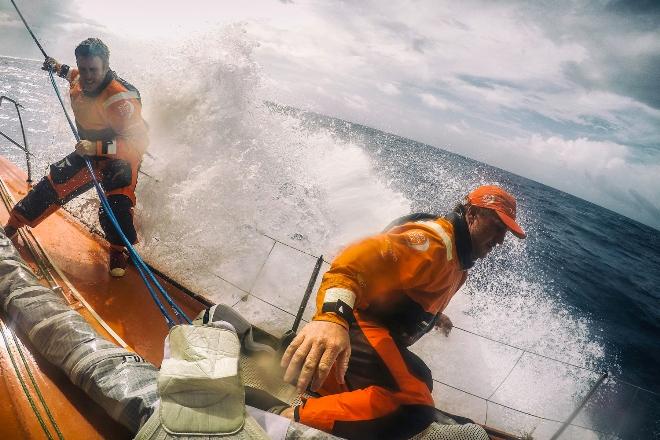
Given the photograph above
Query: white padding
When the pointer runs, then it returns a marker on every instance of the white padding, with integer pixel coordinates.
(119, 97)
(200, 389)
(443, 235)
(333, 294)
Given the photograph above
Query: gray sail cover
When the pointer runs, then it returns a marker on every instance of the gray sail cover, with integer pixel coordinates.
(117, 379)
(120, 381)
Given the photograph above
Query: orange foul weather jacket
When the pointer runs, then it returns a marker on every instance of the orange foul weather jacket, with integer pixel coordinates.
(397, 283)
(111, 117)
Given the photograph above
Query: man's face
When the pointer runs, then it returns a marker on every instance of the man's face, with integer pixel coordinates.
(486, 231)
(92, 72)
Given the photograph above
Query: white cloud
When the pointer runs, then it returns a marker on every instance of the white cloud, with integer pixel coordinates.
(356, 102)
(389, 89)
(459, 127)
(600, 171)
(434, 102)
(6, 20)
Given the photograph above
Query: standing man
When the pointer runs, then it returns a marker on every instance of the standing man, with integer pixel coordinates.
(108, 113)
(379, 297)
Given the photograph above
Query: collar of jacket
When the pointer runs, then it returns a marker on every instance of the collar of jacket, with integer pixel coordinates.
(108, 78)
(463, 240)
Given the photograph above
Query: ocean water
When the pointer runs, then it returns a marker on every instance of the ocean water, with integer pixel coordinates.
(582, 289)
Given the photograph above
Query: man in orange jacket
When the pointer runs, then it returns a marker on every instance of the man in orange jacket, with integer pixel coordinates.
(108, 113)
(379, 297)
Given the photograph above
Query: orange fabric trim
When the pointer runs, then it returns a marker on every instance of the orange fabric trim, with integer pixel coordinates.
(124, 117)
(408, 260)
(73, 75)
(82, 177)
(372, 402)
(369, 403)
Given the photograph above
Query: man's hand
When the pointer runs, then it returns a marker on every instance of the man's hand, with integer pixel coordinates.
(51, 64)
(86, 148)
(312, 353)
(444, 324)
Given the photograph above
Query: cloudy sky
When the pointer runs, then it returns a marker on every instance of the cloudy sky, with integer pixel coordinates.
(563, 92)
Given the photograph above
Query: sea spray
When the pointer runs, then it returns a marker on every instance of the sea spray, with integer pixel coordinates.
(233, 167)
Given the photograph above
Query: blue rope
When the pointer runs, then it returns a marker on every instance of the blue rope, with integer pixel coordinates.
(137, 260)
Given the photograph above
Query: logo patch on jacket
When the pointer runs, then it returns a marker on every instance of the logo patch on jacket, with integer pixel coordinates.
(125, 109)
(417, 240)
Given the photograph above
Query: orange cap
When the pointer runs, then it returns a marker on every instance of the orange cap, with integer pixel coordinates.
(504, 204)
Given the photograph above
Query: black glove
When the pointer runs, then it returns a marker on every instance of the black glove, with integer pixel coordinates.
(51, 64)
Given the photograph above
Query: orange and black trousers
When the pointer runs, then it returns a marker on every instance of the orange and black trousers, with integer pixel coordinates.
(69, 178)
(387, 390)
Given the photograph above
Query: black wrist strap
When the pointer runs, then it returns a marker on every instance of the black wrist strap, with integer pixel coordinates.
(340, 308)
(64, 71)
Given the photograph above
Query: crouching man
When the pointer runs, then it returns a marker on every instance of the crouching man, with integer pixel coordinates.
(379, 297)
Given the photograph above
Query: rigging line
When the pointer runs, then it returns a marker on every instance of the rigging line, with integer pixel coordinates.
(33, 405)
(291, 246)
(136, 257)
(287, 244)
(77, 296)
(496, 403)
(7, 98)
(16, 143)
(546, 418)
(18, 108)
(611, 376)
(29, 30)
(39, 261)
(149, 176)
(507, 375)
(139, 264)
(36, 386)
(261, 268)
(528, 351)
(168, 320)
(635, 386)
(580, 406)
(509, 407)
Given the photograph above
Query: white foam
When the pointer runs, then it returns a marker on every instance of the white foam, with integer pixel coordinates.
(231, 165)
